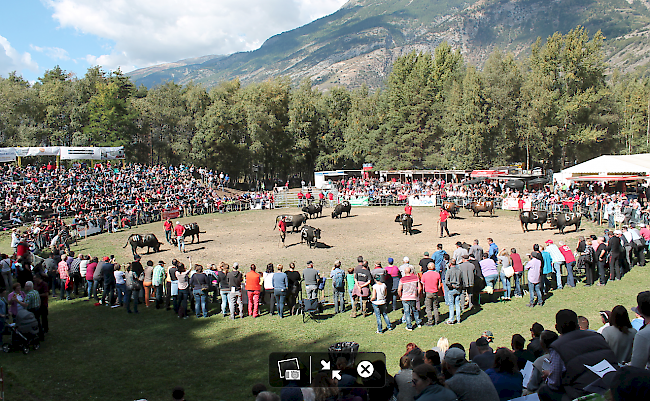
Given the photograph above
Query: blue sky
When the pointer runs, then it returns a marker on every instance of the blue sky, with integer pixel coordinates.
(36, 35)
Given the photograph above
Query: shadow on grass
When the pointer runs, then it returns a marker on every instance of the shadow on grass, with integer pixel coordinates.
(151, 353)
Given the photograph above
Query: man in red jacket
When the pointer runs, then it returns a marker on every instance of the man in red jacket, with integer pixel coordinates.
(444, 215)
(167, 225)
(179, 230)
(569, 259)
(282, 226)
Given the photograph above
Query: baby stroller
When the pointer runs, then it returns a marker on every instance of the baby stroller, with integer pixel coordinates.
(308, 308)
(24, 333)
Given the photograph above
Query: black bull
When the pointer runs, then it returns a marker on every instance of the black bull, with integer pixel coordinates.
(192, 229)
(563, 220)
(537, 217)
(141, 240)
(295, 220)
(407, 223)
(341, 208)
(313, 210)
(310, 234)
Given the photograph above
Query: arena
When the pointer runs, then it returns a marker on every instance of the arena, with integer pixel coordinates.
(249, 237)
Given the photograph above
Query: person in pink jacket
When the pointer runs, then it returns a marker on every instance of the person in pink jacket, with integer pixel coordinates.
(63, 278)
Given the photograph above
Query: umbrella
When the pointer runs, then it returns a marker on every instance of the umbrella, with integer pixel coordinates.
(536, 181)
(515, 184)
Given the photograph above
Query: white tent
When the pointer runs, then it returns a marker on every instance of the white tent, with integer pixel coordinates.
(608, 168)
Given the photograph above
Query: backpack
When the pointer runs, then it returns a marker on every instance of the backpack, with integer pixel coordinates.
(338, 281)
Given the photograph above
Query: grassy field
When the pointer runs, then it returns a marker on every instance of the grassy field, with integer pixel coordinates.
(97, 353)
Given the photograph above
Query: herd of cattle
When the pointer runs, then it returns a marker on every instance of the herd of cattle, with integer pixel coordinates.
(559, 220)
(311, 235)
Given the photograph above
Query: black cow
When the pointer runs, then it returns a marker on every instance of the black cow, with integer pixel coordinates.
(192, 229)
(407, 223)
(562, 220)
(340, 208)
(538, 217)
(478, 207)
(140, 240)
(292, 220)
(310, 234)
(451, 207)
(313, 210)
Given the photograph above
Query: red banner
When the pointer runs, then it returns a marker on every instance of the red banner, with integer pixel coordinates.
(171, 213)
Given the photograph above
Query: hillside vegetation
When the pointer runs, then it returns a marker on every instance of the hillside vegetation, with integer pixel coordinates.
(359, 43)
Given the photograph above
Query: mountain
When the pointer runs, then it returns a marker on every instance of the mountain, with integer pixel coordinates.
(358, 43)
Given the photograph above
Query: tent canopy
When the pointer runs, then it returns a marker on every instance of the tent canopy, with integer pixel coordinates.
(608, 178)
(608, 164)
(608, 168)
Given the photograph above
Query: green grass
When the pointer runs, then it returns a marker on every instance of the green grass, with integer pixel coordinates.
(97, 353)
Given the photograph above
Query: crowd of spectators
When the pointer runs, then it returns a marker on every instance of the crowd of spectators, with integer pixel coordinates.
(597, 202)
(554, 365)
(458, 278)
(109, 197)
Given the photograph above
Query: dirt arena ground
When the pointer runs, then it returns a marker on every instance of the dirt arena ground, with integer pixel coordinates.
(248, 237)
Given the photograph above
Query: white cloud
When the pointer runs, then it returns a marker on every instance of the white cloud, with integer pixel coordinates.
(11, 60)
(55, 53)
(147, 32)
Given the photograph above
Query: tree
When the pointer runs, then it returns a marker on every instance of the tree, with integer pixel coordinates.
(222, 141)
(111, 114)
(266, 107)
(307, 126)
(335, 105)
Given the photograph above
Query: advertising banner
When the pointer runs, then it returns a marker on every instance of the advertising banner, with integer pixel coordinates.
(7, 155)
(43, 151)
(112, 153)
(359, 201)
(422, 200)
(513, 204)
(171, 213)
(81, 153)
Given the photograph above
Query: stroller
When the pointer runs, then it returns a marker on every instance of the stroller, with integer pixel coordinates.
(308, 308)
(24, 333)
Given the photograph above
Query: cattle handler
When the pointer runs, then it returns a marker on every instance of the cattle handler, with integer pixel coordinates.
(282, 226)
(444, 215)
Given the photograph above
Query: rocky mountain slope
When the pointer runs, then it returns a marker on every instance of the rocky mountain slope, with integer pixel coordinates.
(358, 43)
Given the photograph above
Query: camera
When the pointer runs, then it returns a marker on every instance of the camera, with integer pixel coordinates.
(292, 374)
